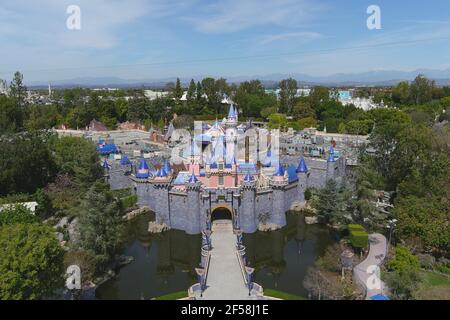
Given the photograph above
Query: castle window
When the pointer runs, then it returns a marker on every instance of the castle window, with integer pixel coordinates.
(220, 180)
(220, 166)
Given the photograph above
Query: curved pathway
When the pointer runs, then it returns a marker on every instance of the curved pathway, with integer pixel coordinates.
(375, 257)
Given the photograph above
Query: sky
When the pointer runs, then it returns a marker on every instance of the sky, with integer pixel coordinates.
(149, 39)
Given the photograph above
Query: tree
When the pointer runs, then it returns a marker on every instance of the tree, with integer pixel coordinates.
(404, 279)
(389, 123)
(78, 158)
(309, 122)
(266, 112)
(400, 93)
(277, 121)
(17, 214)
(288, 90)
(421, 90)
(26, 162)
(403, 285)
(302, 109)
(191, 91)
(18, 90)
(31, 263)
(329, 203)
(100, 224)
(317, 97)
(11, 116)
(178, 90)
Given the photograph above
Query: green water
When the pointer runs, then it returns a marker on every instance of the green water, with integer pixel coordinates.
(165, 263)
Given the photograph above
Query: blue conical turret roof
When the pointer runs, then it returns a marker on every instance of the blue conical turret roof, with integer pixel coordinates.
(280, 171)
(267, 162)
(302, 168)
(161, 173)
(143, 170)
(193, 179)
(125, 161)
(167, 167)
(248, 177)
(143, 165)
(105, 164)
(232, 112)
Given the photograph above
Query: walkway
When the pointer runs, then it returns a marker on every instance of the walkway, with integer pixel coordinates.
(376, 255)
(225, 280)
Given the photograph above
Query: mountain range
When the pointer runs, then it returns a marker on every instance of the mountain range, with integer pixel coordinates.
(369, 78)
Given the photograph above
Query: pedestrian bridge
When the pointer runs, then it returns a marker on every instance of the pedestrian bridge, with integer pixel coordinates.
(225, 275)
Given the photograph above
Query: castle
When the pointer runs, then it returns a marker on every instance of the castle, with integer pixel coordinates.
(253, 190)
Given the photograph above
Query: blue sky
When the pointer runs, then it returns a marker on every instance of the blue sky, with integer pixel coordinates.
(138, 39)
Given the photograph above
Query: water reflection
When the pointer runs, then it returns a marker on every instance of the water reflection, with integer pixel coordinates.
(165, 263)
(282, 257)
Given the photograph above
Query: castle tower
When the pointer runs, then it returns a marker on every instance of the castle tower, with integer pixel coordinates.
(231, 133)
(193, 222)
(302, 174)
(331, 164)
(106, 167)
(247, 213)
(160, 185)
(278, 183)
(195, 156)
(142, 186)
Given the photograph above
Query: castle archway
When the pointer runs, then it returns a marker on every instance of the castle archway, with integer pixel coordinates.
(221, 213)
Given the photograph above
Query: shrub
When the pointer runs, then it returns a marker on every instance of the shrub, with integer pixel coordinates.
(129, 201)
(16, 214)
(308, 194)
(358, 237)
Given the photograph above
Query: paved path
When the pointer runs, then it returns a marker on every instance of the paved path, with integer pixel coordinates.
(376, 255)
(225, 280)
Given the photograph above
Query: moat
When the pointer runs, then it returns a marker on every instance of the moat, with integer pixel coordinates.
(164, 263)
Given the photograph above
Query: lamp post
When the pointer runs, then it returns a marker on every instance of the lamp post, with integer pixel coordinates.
(201, 279)
(392, 223)
(249, 272)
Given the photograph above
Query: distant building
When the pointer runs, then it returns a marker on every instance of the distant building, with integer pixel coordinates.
(153, 95)
(95, 125)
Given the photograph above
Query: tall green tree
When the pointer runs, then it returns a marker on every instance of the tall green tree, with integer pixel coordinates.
(421, 90)
(26, 162)
(100, 224)
(288, 90)
(191, 91)
(31, 263)
(178, 90)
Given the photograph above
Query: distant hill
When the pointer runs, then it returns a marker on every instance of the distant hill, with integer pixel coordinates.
(369, 78)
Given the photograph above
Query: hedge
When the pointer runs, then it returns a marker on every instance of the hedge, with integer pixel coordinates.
(359, 239)
(355, 227)
(129, 201)
(173, 296)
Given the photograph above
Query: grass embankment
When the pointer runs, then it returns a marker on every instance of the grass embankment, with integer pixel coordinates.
(282, 295)
(435, 286)
(173, 296)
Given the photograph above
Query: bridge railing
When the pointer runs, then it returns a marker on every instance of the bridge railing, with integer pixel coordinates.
(240, 254)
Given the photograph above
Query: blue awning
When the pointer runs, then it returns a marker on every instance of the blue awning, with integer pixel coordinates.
(379, 297)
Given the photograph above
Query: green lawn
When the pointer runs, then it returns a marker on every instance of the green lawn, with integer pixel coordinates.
(435, 286)
(173, 296)
(435, 279)
(282, 295)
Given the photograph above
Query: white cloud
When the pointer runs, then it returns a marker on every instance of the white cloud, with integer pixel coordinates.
(235, 15)
(301, 36)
